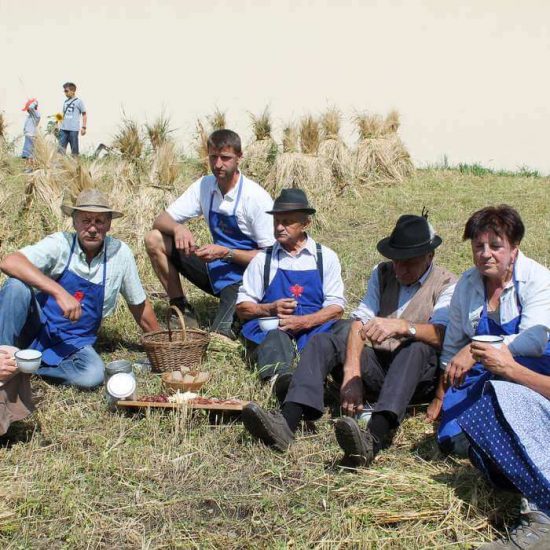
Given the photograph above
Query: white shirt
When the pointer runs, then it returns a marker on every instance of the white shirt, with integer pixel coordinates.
(252, 288)
(51, 255)
(370, 304)
(533, 282)
(251, 210)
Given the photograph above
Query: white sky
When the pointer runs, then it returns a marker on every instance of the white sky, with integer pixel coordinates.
(470, 78)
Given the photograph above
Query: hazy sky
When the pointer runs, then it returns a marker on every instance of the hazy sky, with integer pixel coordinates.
(470, 78)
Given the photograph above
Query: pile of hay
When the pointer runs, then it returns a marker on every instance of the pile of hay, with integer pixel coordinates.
(381, 156)
(128, 140)
(259, 156)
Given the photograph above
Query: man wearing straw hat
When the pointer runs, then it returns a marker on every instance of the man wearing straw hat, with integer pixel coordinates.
(389, 353)
(60, 288)
(297, 282)
(234, 208)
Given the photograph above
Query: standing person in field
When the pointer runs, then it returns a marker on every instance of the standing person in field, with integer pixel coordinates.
(235, 209)
(60, 289)
(29, 130)
(390, 352)
(297, 280)
(73, 109)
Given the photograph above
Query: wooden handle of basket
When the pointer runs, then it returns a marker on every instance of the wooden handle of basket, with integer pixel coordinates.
(182, 323)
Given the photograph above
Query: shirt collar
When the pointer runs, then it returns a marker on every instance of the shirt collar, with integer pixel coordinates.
(82, 255)
(232, 194)
(310, 247)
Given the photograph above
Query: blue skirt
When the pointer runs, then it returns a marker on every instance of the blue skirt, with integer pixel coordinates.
(509, 431)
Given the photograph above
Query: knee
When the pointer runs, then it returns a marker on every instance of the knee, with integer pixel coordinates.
(16, 290)
(154, 242)
(91, 374)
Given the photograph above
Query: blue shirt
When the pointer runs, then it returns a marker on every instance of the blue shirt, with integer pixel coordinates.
(72, 110)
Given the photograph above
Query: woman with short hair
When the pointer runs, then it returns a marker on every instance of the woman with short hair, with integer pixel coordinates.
(506, 294)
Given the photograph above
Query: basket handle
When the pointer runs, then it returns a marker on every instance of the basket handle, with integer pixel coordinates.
(181, 320)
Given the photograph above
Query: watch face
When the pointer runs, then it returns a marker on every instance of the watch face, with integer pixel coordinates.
(412, 330)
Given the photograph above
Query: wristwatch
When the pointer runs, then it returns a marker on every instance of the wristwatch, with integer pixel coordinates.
(412, 330)
(229, 256)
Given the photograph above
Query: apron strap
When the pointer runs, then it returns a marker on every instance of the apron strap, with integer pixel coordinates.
(267, 266)
(320, 261)
(240, 184)
(104, 263)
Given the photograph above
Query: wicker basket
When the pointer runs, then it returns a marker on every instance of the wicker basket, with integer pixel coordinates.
(172, 349)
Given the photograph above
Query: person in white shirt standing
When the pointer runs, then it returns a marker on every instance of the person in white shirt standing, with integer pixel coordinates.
(29, 130)
(60, 289)
(299, 282)
(235, 210)
(73, 109)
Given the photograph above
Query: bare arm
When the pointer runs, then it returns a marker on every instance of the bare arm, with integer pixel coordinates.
(17, 265)
(298, 323)
(351, 392)
(251, 310)
(145, 316)
(84, 124)
(379, 329)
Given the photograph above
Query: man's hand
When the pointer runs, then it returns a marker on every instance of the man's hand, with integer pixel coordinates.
(379, 329)
(293, 323)
(69, 305)
(351, 394)
(185, 242)
(83, 131)
(498, 361)
(284, 306)
(458, 366)
(7, 365)
(210, 252)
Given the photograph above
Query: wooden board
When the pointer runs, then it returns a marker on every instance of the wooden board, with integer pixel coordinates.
(190, 405)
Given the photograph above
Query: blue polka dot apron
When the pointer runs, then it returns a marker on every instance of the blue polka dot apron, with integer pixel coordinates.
(457, 400)
(226, 232)
(508, 431)
(59, 337)
(306, 287)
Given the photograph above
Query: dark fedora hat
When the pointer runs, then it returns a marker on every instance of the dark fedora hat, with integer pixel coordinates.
(412, 236)
(292, 200)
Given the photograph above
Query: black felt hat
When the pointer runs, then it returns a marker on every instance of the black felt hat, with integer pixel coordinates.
(412, 236)
(292, 200)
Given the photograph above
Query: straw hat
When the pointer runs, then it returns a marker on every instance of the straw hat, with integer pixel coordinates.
(90, 200)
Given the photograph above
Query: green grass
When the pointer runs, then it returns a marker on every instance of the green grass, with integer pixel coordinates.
(76, 476)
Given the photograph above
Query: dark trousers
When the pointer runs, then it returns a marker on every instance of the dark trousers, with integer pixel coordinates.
(393, 379)
(195, 271)
(68, 137)
(274, 355)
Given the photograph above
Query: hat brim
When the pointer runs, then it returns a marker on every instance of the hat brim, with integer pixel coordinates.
(282, 210)
(68, 210)
(393, 253)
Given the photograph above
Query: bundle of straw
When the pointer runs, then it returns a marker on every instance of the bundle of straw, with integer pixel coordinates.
(128, 140)
(310, 135)
(159, 131)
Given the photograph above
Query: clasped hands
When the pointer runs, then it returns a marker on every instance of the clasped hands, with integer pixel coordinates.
(379, 329)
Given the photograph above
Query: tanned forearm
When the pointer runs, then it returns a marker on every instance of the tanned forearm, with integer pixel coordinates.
(354, 350)
(17, 265)
(145, 316)
(243, 257)
(251, 310)
(430, 334)
(533, 380)
(328, 313)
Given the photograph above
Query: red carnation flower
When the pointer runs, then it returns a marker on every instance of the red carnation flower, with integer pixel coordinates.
(79, 295)
(296, 290)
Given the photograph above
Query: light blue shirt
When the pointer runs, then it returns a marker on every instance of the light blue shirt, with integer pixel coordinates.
(370, 304)
(31, 122)
(51, 255)
(533, 281)
(72, 110)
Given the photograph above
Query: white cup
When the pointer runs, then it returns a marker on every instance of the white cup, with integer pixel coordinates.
(28, 360)
(495, 341)
(122, 386)
(268, 323)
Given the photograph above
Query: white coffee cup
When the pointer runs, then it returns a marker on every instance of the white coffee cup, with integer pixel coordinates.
(28, 360)
(495, 341)
(268, 323)
(122, 386)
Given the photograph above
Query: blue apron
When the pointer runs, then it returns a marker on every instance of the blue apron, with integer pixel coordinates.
(59, 338)
(458, 400)
(226, 232)
(306, 287)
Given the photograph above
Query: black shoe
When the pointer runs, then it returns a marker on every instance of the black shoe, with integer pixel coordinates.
(357, 444)
(280, 384)
(270, 427)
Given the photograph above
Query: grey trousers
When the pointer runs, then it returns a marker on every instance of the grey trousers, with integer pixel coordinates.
(392, 379)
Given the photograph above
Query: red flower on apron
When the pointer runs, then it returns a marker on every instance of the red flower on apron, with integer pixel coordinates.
(296, 290)
(79, 295)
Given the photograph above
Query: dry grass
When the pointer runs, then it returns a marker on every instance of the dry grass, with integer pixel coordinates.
(291, 139)
(217, 120)
(76, 476)
(261, 125)
(310, 135)
(3, 127)
(128, 140)
(201, 146)
(158, 131)
(330, 123)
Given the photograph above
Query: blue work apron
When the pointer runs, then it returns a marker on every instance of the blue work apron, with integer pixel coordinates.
(59, 337)
(306, 287)
(458, 400)
(226, 232)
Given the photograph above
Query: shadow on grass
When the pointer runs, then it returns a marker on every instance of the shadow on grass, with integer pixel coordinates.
(19, 432)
